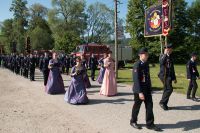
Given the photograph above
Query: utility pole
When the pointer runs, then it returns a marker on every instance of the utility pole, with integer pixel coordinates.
(116, 39)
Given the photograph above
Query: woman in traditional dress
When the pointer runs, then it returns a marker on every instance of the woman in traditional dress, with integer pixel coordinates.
(55, 83)
(109, 86)
(85, 76)
(76, 93)
(102, 69)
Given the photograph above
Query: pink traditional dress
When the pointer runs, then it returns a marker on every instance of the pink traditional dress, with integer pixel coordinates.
(109, 85)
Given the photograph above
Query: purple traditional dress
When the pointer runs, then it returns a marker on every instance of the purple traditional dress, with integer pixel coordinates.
(55, 83)
(76, 93)
(101, 71)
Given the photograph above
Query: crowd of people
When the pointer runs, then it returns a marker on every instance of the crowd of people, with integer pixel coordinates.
(76, 93)
(54, 64)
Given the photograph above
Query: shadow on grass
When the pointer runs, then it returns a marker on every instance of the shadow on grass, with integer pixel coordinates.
(186, 125)
(178, 88)
(124, 81)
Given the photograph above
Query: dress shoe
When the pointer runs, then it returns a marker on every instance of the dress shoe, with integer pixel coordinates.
(188, 97)
(135, 125)
(164, 107)
(154, 127)
(194, 99)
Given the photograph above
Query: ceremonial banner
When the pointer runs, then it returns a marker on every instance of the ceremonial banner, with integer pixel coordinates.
(166, 9)
(153, 21)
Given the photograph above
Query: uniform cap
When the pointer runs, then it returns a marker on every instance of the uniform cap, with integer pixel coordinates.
(168, 46)
(143, 51)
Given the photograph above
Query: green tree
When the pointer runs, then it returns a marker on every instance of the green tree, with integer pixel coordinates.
(193, 39)
(39, 30)
(67, 21)
(179, 33)
(7, 34)
(20, 11)
(41, 39)
(135, 26)
(38, 13)
(99, 23)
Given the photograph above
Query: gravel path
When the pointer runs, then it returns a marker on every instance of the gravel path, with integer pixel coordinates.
(26, 108)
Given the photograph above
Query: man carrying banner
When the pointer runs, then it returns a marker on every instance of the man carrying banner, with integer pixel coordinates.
(166, 75)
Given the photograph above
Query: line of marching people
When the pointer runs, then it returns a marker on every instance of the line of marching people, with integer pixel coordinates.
(23, 65)
(52, 66)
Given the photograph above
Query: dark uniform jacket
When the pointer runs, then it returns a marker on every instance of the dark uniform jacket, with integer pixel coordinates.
(166, 67)
(45, 63)
(141, 77)
(93, 63)
(32, 63)
(192, 72)
(67, 62)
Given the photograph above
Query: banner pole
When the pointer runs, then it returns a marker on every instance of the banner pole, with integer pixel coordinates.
(161, 45)
(165, 40)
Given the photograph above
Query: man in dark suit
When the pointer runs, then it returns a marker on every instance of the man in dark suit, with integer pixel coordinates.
(67, 64)
(93, 66)
(32, 64)
(166, 75)
(45, 69)
(192, 75)
(0, 59)
(26, 66)
(142, 92)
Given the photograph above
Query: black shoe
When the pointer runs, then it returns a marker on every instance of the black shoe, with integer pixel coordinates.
(188, 97)
(194, 99)
(154, 127)
(164, 107)
(135, 125)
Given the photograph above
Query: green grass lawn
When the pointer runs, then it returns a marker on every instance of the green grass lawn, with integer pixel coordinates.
(125, 76)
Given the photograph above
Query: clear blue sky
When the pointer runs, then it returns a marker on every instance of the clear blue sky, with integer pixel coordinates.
(5, 5)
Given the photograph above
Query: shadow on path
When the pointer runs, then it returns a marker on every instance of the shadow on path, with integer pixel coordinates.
(186, 125)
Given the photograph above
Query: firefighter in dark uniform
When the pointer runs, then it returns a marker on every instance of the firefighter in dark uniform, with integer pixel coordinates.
(45, 69)
(142, 92)
(26, 66)
(93, 66)
(192, 75)
(17, 69)
(21, 64)
(0, 59)
(32, 64)
(72, 61)
(40, 62)
(166, 75)
(67, 64)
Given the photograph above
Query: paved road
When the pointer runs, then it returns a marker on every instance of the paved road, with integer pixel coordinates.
(26, 108)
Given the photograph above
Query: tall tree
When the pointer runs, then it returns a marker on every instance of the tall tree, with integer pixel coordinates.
(180, 31)
(99, 23)
(193, 38)
(20, 11)
(39, 30)
(7, 34)
(135, 26)
(41, 39)
(67, 21)
(38, 14)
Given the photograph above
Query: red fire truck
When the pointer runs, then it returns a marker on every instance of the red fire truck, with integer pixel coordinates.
(92, 48)
(124, 52)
